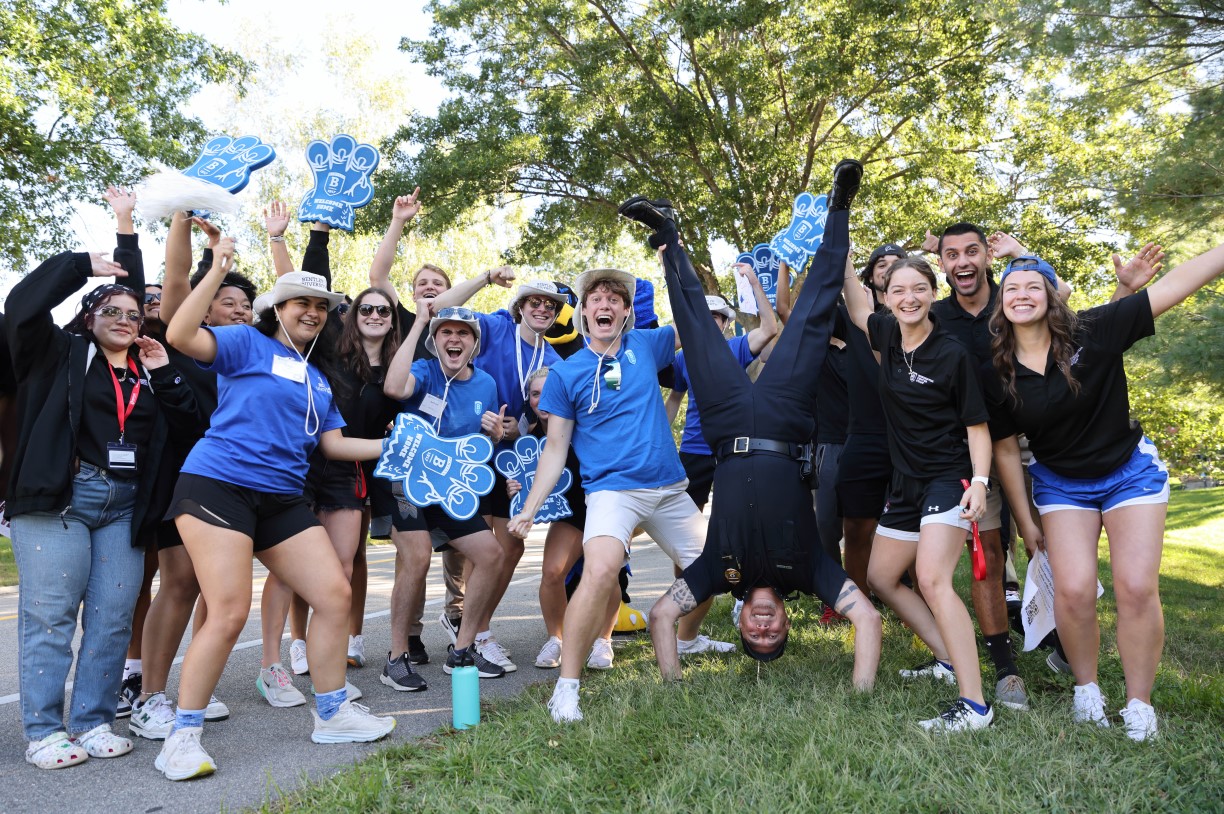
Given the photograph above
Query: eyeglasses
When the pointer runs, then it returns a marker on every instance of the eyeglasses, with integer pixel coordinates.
(458, 313)
(117, 313)
(542, 302)
(150, 298)
(366, 309)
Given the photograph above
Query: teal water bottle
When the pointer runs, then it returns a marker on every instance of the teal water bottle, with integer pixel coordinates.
(465, 695)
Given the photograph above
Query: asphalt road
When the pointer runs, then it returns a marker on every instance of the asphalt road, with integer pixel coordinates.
(261, 751)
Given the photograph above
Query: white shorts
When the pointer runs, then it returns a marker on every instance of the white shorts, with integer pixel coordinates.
(666, 513)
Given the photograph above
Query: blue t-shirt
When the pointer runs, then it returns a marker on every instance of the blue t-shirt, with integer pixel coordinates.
(626, 442)
(258, 437)
(499, 358)
(693, 441)
(466, 401)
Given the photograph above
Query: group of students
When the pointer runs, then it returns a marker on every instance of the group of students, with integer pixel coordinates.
(208, 425)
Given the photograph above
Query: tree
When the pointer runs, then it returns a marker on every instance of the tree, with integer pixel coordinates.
(89, 91)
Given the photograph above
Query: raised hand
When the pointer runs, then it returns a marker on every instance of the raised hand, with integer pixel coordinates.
(491, 423)
(930, 243)
(276, 218)
(120, 200)
(210, 230)
(1001, 244)
(406, 207)
(223, 253)
(1140, 269)
(502, 276)
(152, 354)
(99, 266)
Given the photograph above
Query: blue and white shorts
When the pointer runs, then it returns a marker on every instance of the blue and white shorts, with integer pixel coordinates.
(1142, 479)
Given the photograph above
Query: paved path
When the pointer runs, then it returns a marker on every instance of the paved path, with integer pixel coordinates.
(260, 750)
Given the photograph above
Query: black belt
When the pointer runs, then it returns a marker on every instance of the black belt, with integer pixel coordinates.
(743, 445)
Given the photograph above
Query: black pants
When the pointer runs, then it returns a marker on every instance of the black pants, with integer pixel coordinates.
(759, 493)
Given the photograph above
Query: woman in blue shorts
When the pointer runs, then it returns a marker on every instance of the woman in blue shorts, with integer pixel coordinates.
(240, 493)
(1061, 382)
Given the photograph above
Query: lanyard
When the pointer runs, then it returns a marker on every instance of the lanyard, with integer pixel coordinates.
(120, 413)
(537, 353)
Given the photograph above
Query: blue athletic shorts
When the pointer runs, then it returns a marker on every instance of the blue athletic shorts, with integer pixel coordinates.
(1142, 479)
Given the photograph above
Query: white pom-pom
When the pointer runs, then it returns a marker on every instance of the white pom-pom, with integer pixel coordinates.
(168, 191)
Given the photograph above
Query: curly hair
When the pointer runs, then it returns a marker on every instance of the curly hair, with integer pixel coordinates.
(1062, 323)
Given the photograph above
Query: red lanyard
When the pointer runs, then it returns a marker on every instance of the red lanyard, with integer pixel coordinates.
(979, 554)
(120, 413)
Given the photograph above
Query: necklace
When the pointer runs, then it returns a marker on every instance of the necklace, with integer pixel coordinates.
(909, 362)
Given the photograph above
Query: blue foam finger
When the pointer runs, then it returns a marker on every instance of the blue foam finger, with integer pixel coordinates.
(799, 241)
(449, 472)
(342, 170)
(229, 162)
(520, 463)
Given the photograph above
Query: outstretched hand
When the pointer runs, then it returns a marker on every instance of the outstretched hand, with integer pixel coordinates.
(210, 230)
(152, 354)
(99, 266)
(120, 200)
(502, 276)
(276, 218)
(1140, 269)
(1002, 244)
(406, 207)
(223, 253)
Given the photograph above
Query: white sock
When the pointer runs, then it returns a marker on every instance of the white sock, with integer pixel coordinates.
(488, 634)
(566, 682)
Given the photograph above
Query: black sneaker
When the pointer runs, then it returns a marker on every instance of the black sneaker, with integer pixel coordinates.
(399, 675)
(654, 215)
(129, 691)
(846, 177)
(468, 657)
(416, 651)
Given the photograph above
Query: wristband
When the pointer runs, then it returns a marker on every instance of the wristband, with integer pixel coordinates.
(488, 278)
(276, 238)
(982, 479)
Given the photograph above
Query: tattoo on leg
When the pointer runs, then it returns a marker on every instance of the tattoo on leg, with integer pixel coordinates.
(682, 596)
(844, 604)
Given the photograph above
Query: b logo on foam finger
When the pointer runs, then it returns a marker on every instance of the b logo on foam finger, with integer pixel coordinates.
(799, 241)
(342, 170)
(449, 472)
(520, 464)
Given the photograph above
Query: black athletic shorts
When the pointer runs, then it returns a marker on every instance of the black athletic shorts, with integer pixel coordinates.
(332, 485)
(406, 517)
(497, 502)
(912, 503)
(699, 469)
(268, 519)
(864, 475)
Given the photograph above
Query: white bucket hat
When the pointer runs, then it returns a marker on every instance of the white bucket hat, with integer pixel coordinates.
(297, 284)
(718, 305)
(454, 314)
(588, 279)
(534, 288)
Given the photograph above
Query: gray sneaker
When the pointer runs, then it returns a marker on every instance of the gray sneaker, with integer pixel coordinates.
(1010, 693)
(1058, 664)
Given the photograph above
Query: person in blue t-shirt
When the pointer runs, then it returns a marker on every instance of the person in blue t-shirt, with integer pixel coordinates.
(513, 346)
(606, 399)
(458, 399)
(240, 493)
(695, 453)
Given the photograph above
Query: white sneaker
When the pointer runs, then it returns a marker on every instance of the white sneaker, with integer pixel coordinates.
(153, 719)
(182, 757)
(1140, 719)
(216, 710)
(101, 742)
(352, 723)
(702, 644)
(492, 650)
(735, 612)
(1088, 706)
(932, 669)
(959, 717)
(275, 685)
(601, 655)
(564, 704)
(297, 658)
(550, 654)
(356, 651)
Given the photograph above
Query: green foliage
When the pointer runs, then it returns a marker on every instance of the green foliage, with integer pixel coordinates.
(89, 92)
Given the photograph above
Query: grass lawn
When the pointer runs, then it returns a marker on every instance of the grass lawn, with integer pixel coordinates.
(790, 735)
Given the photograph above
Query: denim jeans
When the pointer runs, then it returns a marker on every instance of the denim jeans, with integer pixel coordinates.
(82, 557)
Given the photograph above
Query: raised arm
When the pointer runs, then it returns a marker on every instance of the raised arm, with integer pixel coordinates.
(760, 336)
(127, 246)
(184, 331)
(552, 461)
(782, 290)
(404, 209)
(177, 283)
(276, 221)
(1138, 271)
(399, 383)
(1185, 279)
(858, 301)
(462, 292)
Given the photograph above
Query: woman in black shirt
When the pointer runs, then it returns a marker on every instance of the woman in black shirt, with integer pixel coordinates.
(939, 442)
(1061, 381)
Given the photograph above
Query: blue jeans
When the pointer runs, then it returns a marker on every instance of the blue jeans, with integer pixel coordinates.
(84, 556)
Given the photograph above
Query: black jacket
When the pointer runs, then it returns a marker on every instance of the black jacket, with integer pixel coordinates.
(50, 366)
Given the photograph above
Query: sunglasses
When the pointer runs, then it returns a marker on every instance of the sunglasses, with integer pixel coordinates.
(365, 310)
(151, 298)
(1023, 264)
(456, 312)
(542, 302)
(116, 313)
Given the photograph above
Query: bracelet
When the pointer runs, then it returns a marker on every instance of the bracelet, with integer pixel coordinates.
(276, 238)
(488, 278)
(982, 479)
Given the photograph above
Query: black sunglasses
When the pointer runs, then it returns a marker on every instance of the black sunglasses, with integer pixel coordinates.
(365, 309)
(150, 298)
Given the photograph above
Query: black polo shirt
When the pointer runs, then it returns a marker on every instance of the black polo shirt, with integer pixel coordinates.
(781, 563)
(866, 412)
(929, 408)
(971, 331)
(1091, 434)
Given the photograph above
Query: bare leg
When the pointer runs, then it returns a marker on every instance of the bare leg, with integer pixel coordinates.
(890, 558)
(939, 549)
(868, 633)
(168, 616)
(360, 581)
(585, 615)
(989, 605)
(858, 532)
(412, 555)
(1072, 537)
(486, 557)
(273, 610)
(1136, 538)
(562, 548)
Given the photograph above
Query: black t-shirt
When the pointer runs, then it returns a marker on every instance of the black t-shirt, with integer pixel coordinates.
(832, 414)
(100, 419)
(364, 407)
(971, 331)
(866, 412)
(406, 320)
(928, 402)
(1088, 435)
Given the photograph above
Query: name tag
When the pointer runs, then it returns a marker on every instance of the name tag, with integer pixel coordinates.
(286, 368)
(121, 456)
(432, 406)
(524, 426)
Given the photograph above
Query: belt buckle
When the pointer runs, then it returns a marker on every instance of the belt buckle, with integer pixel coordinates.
(739, 445)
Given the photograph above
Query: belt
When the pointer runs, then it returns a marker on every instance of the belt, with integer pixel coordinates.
(743, 445)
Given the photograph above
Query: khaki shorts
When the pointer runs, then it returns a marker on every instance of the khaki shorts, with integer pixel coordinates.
(666, 513)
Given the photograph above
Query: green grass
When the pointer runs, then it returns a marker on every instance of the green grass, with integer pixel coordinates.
(791, 736)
